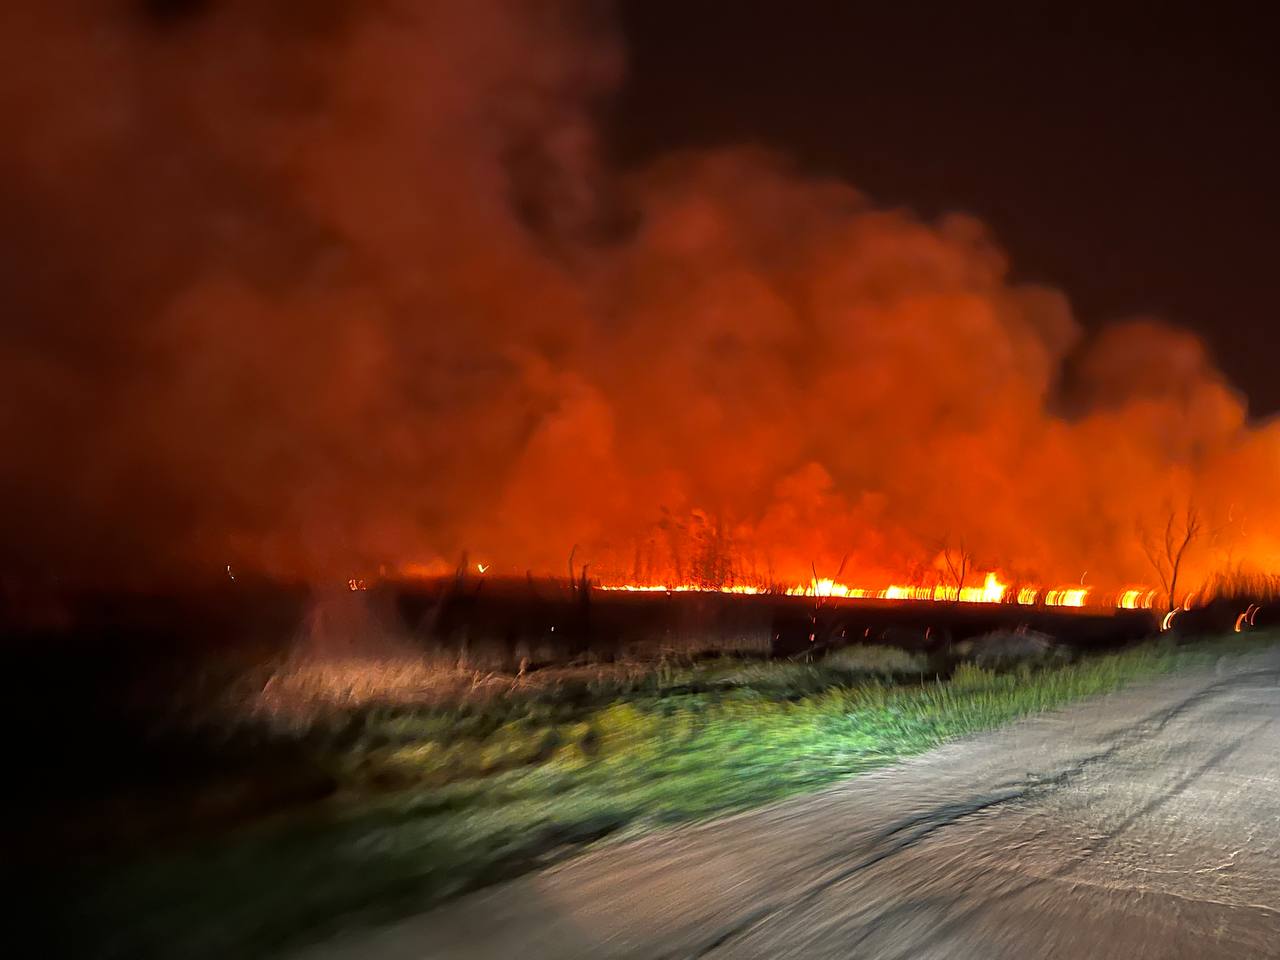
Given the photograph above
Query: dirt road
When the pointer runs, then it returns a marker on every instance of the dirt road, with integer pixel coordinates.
(1144, 824)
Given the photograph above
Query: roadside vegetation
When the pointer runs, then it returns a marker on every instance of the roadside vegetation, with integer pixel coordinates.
(496, 776)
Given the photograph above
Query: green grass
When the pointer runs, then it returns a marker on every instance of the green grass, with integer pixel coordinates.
(488, 790)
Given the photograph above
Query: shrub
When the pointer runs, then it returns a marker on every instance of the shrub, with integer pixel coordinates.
(1005, 649)
(884, 661)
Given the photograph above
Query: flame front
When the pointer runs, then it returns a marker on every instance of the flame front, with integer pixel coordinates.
(992, 590)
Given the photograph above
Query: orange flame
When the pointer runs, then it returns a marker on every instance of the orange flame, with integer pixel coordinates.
(1136, 599)
(1069, 597)
(991, 590)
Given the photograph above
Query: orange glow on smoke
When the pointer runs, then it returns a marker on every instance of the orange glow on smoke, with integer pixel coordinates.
(754, 370)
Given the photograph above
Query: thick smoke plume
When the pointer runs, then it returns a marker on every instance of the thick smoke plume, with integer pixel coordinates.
(319, 288)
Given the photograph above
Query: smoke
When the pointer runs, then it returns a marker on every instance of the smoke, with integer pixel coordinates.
(314, 289)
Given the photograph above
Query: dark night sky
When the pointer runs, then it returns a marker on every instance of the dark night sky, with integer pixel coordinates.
(1128, 157)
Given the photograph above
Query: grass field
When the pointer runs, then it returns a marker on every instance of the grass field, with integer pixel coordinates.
(437, 800)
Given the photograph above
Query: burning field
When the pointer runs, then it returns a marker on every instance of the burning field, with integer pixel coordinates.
(404, 307)
(400, 490)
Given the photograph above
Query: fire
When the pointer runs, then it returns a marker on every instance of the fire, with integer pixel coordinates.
(685, 588)
(764, 367)
(826, 587)
(1070, 597)
(1136, 599)
(991, 590)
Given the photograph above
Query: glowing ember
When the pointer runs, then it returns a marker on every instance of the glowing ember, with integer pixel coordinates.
(1247, 617)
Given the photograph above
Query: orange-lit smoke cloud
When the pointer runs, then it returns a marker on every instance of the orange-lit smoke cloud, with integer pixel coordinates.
(318, 288)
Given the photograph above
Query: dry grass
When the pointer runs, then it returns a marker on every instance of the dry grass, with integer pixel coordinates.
(877, 660)
(1239, 583)
(301, 690)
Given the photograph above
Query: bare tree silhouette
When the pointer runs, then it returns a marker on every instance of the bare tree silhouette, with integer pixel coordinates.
(959, 563)
(1166, 552)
